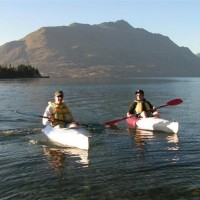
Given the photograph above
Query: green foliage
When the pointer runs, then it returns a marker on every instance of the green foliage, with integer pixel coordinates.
(21, 71)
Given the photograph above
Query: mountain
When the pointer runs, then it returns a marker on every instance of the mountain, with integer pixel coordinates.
(109, 49)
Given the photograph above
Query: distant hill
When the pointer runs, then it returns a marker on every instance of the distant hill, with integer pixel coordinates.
(110, 49)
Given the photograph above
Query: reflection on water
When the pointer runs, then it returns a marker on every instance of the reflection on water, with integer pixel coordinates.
(154, 142)
(173, 138)
(58, 158)
(140, 138)
(141, 135)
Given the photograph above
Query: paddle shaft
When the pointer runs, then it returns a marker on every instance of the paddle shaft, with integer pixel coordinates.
(109, 123)
(59, 120)
(41, 116)
(173, 102)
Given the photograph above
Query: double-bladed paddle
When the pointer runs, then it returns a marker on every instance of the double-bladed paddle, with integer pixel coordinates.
(89, 125)
(173, 102)
(41, 116)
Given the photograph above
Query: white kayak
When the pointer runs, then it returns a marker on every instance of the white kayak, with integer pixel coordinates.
(68, 137)
(153, 124)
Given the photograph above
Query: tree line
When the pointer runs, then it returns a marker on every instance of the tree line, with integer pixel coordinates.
(21, 71)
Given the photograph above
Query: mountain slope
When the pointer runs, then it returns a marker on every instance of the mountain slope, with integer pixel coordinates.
(107, 49)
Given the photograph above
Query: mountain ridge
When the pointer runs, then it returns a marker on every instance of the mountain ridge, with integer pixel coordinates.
(109, 49)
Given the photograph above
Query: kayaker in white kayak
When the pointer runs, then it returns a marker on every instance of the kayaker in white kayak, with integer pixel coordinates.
(59, 115)
(141, 107)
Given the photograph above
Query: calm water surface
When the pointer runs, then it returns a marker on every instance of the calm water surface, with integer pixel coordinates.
(121, 163)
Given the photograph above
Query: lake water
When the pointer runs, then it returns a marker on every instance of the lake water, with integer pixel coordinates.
(121, 163)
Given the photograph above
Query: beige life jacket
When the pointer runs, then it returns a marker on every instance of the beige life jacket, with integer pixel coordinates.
(61, 112)
(141, 106)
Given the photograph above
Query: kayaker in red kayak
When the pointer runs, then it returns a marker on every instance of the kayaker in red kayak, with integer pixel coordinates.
(58, 113)
(141, 107)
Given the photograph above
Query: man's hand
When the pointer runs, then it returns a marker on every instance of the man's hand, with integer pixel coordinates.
(50, 119)
(128, 114)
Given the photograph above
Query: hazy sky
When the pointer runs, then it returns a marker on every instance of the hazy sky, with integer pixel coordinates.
(177, 19)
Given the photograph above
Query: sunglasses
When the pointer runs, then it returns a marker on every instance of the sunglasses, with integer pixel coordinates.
(60, 96)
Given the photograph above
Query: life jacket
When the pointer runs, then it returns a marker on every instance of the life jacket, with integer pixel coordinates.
(142, 106)
(60, 112)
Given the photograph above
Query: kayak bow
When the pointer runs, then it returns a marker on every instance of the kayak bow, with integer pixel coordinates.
(153, 124)
(68, 137)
